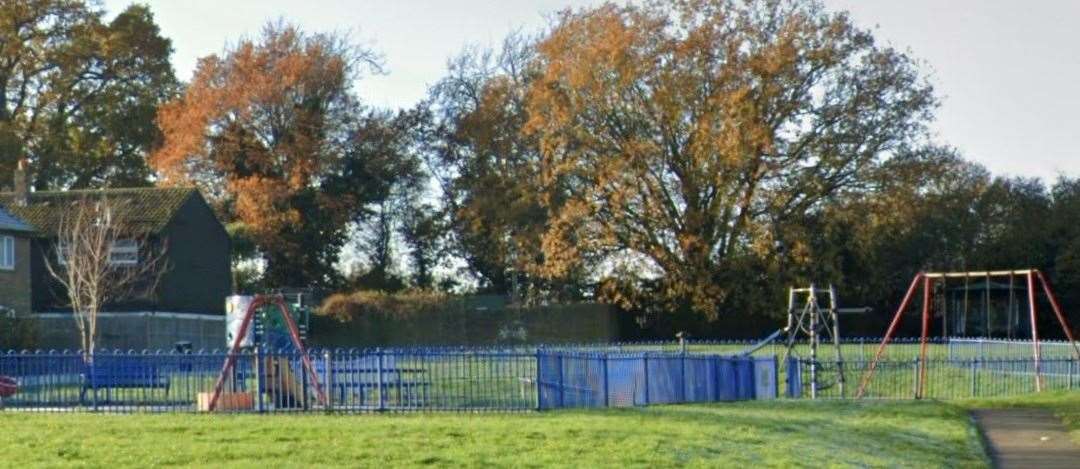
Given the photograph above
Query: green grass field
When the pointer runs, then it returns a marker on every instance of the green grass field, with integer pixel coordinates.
(771, 434)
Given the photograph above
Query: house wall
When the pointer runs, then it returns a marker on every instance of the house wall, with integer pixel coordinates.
(15, 284)
(198, 275)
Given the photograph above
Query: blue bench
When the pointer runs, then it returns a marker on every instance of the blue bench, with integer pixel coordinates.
(110, 373)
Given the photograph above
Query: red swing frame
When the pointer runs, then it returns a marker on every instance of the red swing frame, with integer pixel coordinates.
(927, 279)
(234, 350)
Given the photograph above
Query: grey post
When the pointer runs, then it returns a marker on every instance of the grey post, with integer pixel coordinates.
(974, 376)
(328, 380)
(915, 381)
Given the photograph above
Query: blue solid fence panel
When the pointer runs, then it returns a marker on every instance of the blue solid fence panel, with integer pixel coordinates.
(727, 379)
(744, 377)
(765, 377)
(568, 379)
(699, 378)
(794, 378)
(665, 379)
(626, 380)
(548, 381)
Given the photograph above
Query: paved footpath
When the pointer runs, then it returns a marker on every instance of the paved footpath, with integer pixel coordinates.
(1026, 438)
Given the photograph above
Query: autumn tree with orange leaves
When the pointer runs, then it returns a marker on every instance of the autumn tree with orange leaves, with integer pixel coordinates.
(677, 137)
(269, 130)
(486, 167)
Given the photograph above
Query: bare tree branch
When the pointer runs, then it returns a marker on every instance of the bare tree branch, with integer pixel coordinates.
(100, 257)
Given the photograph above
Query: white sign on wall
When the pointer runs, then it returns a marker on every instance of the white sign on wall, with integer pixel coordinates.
(235, 307)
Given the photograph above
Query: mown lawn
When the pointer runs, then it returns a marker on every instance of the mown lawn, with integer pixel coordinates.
(752, 434)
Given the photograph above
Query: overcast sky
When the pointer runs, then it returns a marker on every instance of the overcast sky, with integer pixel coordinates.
(1008, 72)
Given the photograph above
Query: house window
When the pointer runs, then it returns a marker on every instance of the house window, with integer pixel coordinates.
(61, 253)
(7, 252)
(122, 252)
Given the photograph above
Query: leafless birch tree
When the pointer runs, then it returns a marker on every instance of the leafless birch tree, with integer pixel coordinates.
(101, 256)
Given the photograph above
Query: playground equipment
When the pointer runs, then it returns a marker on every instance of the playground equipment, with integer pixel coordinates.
(810, 319)
(807, 317)
(929, 280)
(277, 376)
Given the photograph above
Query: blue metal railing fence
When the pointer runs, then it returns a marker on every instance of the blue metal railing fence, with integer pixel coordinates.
(521, 378)
(373, 380)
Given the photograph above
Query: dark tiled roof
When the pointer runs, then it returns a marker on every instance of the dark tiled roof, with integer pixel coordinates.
(9, 222)
(149, 209)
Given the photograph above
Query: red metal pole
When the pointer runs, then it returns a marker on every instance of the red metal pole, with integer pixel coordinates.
(1057, 312)
(922, 338)
(1034, 329)
(295, 333)
(888, 335)
(230, 360)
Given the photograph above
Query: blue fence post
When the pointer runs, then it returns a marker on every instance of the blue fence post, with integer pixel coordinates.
(776, 376)
(682, 377)
(260, 385)
(537, 378)
(91, 371)
(645, 368)
(561, 385)
(974, 376)
(380, 385)
(716, 359)
(1070, 374)
(604, 363)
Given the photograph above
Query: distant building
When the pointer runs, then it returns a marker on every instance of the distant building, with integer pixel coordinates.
(194, 286)
(15, 238)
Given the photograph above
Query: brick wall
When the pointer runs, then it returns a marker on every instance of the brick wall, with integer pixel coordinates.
(15, 284)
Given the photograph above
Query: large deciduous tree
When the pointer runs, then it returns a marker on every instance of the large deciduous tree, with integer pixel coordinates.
(270, 130)
(78, 95)
(679, 135)
(487, 167)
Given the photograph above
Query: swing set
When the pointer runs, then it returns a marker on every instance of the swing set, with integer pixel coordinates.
(228, 368)
(930, 280)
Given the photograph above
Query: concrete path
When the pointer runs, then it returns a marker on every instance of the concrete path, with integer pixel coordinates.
(1025, 438)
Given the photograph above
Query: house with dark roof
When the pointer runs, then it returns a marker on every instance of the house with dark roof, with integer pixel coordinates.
(197, 277)
(15, 237)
